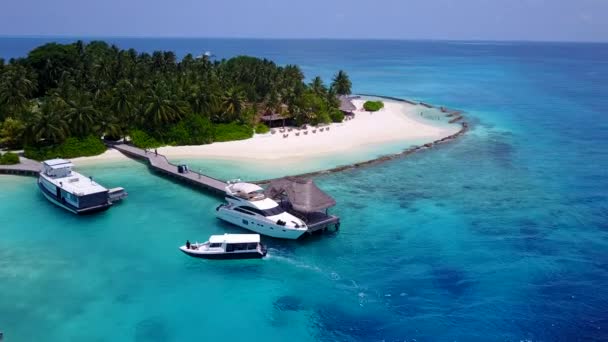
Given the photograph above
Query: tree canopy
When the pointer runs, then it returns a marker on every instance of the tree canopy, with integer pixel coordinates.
(341, 83)
(79, 90)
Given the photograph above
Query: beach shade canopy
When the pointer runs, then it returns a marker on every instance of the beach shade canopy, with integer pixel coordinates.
(302, 193)
(273, 117)
(346, 104)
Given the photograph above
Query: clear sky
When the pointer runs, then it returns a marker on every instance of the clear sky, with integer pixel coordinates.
(561, 20)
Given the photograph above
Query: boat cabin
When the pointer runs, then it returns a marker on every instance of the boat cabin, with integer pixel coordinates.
(57, 168)
(227, 246)
(235, 242)
(247, 191)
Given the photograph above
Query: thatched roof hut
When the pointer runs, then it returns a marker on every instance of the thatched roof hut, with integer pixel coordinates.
(272, 117)
(303, 194)
(346, 105)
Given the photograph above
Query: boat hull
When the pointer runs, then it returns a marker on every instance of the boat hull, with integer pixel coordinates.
(78, 211)
(259, 226)
(224, 256)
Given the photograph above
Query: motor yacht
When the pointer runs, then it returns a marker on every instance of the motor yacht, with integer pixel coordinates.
(249, 208)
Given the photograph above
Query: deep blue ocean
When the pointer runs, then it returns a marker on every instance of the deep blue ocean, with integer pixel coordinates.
(501, 235)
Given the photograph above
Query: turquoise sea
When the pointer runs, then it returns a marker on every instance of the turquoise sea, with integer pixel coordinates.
(499, 236)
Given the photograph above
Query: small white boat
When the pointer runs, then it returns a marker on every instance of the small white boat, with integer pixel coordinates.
(227, 246)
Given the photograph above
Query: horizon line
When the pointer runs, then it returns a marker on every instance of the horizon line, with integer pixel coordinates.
(88, 37)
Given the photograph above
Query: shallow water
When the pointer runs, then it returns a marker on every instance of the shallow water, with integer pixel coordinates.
(499, 236)
(255, 169)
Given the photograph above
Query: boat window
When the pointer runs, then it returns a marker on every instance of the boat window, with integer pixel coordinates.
(215, 245)
(256, 195)
(252, 196)
(266, 212)
(254, 210)
(252, 246)
(240, 210)
(273, 211)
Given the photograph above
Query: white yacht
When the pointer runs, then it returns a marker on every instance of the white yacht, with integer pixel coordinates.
(73, 191)
(249, 208)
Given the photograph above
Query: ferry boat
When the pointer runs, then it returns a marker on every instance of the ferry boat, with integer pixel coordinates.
(72, 191)
(227, 246)
(249, 208)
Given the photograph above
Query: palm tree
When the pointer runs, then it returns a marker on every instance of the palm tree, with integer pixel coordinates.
(122, 100)
(16, 88)
(332, 99)
(202, 100)
(233, 102)
(159, 108)
(273, 101)
(80, 114)
(46, 124)
(109, 126)
(341, 83)
(317, 86)
(11, 133)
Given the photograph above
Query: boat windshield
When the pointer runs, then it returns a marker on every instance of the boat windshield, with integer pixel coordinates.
(273, 211)
(252, 196)
(264, 212)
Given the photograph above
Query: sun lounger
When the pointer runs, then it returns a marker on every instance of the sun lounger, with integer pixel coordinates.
(298, 134)
(285, 135)
(305, 132)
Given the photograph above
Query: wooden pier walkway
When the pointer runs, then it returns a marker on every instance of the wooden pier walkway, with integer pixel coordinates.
(159, 163)
(26, 167)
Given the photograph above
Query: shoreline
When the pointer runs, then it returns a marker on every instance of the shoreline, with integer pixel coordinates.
(397, 122)
(464, 128)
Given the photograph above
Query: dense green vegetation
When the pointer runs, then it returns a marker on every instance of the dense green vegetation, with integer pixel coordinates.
(373, 106)
(9, 158)
(60, 98)
(232, 131)
(336, 115)
(261, 128)
(72, 147)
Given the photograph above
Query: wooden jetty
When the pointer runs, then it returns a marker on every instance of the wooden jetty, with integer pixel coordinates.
(26, 167)
(159, 163)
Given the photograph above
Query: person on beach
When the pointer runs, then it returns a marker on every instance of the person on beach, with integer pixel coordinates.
(156, 152)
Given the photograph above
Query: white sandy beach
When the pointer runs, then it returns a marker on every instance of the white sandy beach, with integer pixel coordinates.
(397, 121)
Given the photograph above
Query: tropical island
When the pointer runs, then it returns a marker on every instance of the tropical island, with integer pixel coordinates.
(62, 98)
(66, 100)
